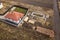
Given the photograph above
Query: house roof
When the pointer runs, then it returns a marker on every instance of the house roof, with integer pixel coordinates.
(15, 16)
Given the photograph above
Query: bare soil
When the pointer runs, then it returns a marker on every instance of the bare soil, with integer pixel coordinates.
(8, 32)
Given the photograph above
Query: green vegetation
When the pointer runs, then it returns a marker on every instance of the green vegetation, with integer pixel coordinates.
(20, 10)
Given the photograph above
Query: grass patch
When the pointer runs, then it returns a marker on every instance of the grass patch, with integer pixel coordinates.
(21, 10)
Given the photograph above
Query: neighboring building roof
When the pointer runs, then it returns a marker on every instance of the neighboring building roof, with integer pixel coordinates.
(15, 16)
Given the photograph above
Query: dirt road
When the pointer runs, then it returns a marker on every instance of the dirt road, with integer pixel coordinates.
(46, 3)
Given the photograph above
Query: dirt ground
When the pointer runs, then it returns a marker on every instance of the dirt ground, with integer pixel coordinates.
(8, 32)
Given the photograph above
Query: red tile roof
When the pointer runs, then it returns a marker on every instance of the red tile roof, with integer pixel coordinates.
(14, 15)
